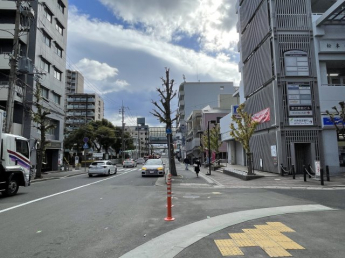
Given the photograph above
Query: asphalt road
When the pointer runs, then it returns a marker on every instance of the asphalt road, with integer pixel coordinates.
(109, 216)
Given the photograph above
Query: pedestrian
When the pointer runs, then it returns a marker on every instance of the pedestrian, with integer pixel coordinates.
(186, 162)
(197, 166)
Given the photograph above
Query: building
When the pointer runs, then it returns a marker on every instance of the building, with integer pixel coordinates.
(282, 70)
(81, 109)
(42, 44)
(140, 136)
(195, 96)
(74, 83)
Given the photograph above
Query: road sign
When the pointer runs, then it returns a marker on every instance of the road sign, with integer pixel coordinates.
(168, 131)
(86, 146)
(85, 139)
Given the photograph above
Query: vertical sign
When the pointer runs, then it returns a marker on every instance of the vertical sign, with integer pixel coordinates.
(317, 168)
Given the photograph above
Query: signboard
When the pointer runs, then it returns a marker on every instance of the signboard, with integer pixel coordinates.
(76, 160)
(317, 168)
(296, 63)
(299, 99)
(85, 146)
(85, 139)
(332, 45)
(97, 155)
(53, 145)
(327, 121)
(168, 130)
(262, 116)
(274, 150)
(301, 121)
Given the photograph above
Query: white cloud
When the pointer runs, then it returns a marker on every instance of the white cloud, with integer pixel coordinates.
(96, 70)
(213, 20)
(86, 30)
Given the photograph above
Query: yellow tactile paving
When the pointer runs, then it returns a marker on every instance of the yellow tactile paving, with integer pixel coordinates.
(291, 245)
(269, 237)
(245, 242)
(230, 251)
(225, 242)
(238, 235)
(267, 243)
(277, 252)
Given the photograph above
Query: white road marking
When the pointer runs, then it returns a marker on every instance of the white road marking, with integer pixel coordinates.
(70, 190)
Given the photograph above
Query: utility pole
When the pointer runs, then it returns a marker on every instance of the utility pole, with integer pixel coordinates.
(122, 111)
(13, 75)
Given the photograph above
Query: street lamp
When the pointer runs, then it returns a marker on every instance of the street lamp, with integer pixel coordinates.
(209, 145)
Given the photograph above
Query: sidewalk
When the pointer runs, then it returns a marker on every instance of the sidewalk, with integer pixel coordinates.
(268, 180)
(50, 175)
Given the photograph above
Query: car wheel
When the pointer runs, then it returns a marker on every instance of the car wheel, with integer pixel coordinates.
(109, 172)
(12, 187)
(90, 175)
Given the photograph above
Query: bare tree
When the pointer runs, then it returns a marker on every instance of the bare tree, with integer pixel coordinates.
(164, 113)
(43, 124)
(338, 119)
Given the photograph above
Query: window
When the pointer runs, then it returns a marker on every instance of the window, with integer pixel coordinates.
(61, 6)
(58, 50)
(22, 147)
(59, 27)
(56, 98)
(44, 92)
(46, 39)
(57, 74)
(48, 15)
(45, 66)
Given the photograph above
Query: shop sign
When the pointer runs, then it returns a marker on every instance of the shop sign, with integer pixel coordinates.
(274, 150)
(296, 63)
(317, 168)
(332, 45)
(300, 111)
(328, 121)
(301, 121)
(53, 145)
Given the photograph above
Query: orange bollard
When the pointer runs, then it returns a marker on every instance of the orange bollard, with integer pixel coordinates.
(169, 216)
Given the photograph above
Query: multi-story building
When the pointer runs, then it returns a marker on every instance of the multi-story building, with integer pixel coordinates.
(74, 83)
(281, 70)
(81, 109)
(140, 136)
(43, 41)
(195, 96)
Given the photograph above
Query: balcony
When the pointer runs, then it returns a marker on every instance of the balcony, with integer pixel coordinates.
(80, 107)
(181, 102)
(82, 100)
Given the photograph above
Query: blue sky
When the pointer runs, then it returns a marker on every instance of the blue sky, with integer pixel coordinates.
(122, 49)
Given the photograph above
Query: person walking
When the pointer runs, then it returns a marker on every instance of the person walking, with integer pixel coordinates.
(197, 166)
(186, 162)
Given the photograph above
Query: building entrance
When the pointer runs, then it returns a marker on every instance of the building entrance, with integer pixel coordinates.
(303, 156)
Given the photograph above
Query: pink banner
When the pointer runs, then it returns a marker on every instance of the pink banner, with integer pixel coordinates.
(262, 116)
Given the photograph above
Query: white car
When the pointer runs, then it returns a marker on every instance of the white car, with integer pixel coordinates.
(153, 167)
(140, 161)
(129, 163)
(102, 167)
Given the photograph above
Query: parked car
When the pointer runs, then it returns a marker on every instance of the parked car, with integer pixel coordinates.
(102, 167)
(129, 163)
(153, 167)
(140, 161)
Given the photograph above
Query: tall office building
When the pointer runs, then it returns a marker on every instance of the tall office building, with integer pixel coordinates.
(280, 66)
(43, 40)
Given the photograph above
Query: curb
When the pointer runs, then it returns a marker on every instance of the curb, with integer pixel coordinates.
(53, 178)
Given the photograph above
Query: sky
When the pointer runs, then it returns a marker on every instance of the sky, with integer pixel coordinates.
(122, 48)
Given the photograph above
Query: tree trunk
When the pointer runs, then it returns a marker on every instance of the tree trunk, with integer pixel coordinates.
(250, 163)
(172, 165)
(40, 155)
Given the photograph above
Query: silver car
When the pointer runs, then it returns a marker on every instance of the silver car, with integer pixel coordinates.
(153, 167)
(140, 161)
(102, 167)
(129, 163)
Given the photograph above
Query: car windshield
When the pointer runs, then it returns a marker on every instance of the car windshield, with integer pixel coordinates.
(154, 162)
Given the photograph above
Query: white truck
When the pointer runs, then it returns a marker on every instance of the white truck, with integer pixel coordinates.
(15, 165)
